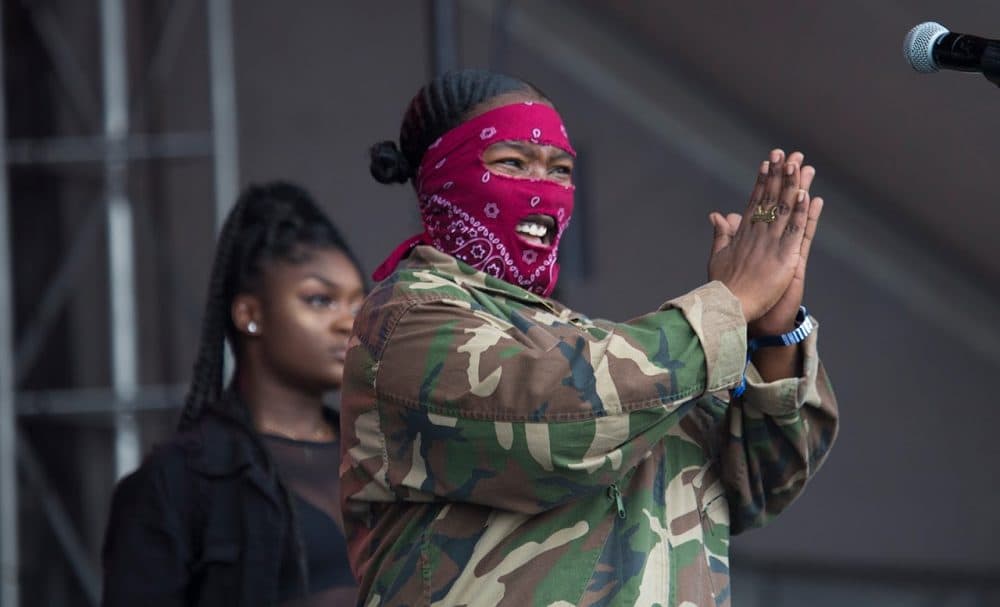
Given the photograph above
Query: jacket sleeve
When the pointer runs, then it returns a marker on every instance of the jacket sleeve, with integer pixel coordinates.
(774, 439)
(527, 414)
(146, 549)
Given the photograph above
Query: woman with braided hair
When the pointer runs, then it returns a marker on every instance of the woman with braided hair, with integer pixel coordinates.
(501, 449)
(241, 506)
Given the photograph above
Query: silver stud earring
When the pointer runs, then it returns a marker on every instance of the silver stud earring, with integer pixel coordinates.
(252, 328)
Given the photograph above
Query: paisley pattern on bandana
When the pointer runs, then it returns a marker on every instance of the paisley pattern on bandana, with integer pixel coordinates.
(471, 213)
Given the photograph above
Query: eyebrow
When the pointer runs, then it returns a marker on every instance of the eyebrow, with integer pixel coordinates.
(562, 155)
(323, 280)
(329, 283)
(527, 150)
(517, 145)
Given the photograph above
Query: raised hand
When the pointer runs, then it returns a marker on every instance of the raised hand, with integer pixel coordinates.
(781, 317)
(758, 254)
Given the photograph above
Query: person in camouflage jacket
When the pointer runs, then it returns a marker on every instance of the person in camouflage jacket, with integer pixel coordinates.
(502, 449)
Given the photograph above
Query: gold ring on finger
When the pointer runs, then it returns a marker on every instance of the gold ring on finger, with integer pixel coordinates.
(769, 215)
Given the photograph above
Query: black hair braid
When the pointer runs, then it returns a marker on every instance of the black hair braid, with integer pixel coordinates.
(206, 379)
(437, 108)
(274, 221)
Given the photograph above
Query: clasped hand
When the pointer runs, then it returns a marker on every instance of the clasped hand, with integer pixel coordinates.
(761, 255)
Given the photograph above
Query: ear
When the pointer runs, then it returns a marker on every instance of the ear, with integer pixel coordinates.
(246, 314)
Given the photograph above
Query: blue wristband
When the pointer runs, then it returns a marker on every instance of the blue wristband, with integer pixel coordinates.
(803, 328)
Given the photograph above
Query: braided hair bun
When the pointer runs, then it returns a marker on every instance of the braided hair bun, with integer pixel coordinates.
(388, 163)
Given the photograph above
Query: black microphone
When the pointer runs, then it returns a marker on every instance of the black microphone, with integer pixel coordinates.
(930, 47)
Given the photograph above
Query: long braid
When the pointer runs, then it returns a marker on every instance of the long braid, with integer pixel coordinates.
(206, 379)
(436, 109)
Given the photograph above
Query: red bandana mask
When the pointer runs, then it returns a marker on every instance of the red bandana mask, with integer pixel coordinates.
(471, 213)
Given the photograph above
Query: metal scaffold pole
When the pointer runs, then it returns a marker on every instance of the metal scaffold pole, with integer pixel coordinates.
(8, 428)
(121, 247)
(224, 137)
(220, 48)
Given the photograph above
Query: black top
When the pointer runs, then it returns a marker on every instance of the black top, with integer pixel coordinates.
(207, 520)
(309, 470)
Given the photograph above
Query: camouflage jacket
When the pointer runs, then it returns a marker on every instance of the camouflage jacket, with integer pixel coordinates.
(501, 449)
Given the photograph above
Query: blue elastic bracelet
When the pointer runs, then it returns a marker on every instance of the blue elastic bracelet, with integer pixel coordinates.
(803, 327)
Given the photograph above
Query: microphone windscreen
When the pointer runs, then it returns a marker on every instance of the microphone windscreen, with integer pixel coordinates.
(918, 46)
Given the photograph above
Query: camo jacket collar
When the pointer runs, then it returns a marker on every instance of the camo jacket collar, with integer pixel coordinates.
(466, 276)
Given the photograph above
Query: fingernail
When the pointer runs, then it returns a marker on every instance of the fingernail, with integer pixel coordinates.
(802, 195)
(764, 166)
(790, 170)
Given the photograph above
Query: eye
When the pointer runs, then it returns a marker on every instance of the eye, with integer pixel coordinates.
(321, 301)
(561, 173)
(515, 163)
